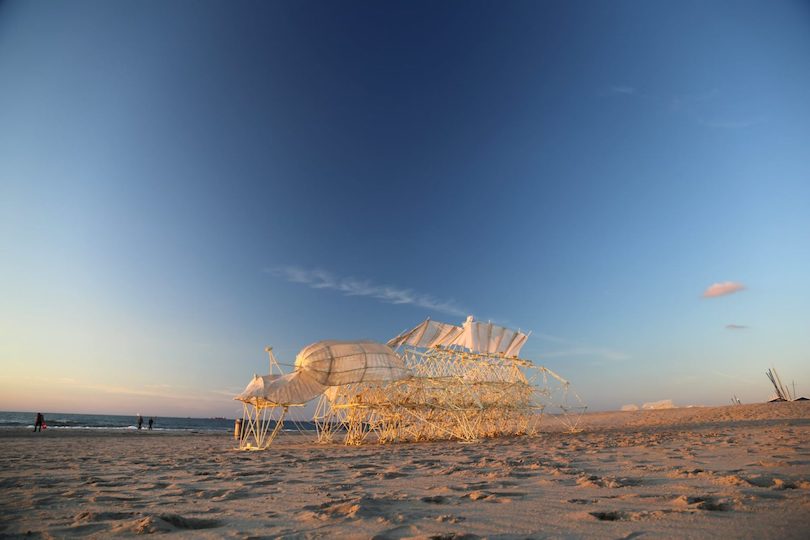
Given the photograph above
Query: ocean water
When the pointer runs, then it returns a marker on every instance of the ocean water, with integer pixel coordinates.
(10, 420)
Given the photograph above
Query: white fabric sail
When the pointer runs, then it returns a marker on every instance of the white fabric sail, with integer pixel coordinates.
(478, 337)
(428, 334)
(333, 363)
(489, 338)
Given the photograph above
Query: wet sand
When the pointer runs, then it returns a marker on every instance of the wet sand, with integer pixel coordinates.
(721, 472)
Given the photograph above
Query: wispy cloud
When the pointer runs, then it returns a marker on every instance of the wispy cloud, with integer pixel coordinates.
(721, 289)
(122, 390)
(229, 393)
(551, 339)
(570, 348)
(321, 279)
(736, 327)
(733, 124)
(687, 99)
(163, 392)
(621, 89)
(695, 106)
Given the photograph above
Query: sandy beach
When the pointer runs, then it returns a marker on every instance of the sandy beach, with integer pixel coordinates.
(720, 472)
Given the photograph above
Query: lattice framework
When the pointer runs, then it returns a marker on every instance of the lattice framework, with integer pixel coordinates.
(453, 394)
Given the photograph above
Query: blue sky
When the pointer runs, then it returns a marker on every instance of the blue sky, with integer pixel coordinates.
(181, 185)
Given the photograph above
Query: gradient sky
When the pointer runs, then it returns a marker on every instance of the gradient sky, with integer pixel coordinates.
(183, 183)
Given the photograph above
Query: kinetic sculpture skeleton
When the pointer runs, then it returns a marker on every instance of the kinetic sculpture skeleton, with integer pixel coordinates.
(436, 381)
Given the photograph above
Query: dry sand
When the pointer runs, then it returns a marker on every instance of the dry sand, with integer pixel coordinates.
(722, 472)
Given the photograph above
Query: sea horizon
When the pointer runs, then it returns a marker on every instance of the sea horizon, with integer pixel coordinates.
(61, 420)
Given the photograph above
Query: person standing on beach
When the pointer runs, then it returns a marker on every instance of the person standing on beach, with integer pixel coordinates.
(140, 421)
(38, 423)
(151, 421)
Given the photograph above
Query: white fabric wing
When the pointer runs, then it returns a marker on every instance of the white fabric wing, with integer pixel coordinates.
(428, 334)
(478, 337)
(489, 338)
(517, 343)
(256, 387)
(296, 388)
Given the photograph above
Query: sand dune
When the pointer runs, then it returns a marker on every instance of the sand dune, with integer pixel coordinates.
(738, 471)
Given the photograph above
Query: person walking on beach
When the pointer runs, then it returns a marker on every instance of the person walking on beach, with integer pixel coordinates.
(151, 421)
(39, 422)
(140, 421)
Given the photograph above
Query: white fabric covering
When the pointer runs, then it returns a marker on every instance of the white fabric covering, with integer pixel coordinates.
(256, 387)
(333, 363)
(325, 364)
(296, 388)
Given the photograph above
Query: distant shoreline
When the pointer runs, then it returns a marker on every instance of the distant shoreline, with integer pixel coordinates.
(753, 414)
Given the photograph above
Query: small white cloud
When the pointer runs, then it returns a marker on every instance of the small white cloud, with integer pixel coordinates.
(736, 327)
(721, 289)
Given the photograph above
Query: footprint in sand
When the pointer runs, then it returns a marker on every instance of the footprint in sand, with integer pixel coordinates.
(494, 496)
(707, 502)
(403, 531)
(232, 494)
(606, 482)
(435, 499)
(89, 517)
(617, 515)
(165, 523)
(450, 518)
(471, 486)
(261, 483)
(382, 508)
(388, 475)
(112, 498)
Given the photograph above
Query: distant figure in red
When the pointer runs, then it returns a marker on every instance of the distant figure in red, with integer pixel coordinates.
(40, 421)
